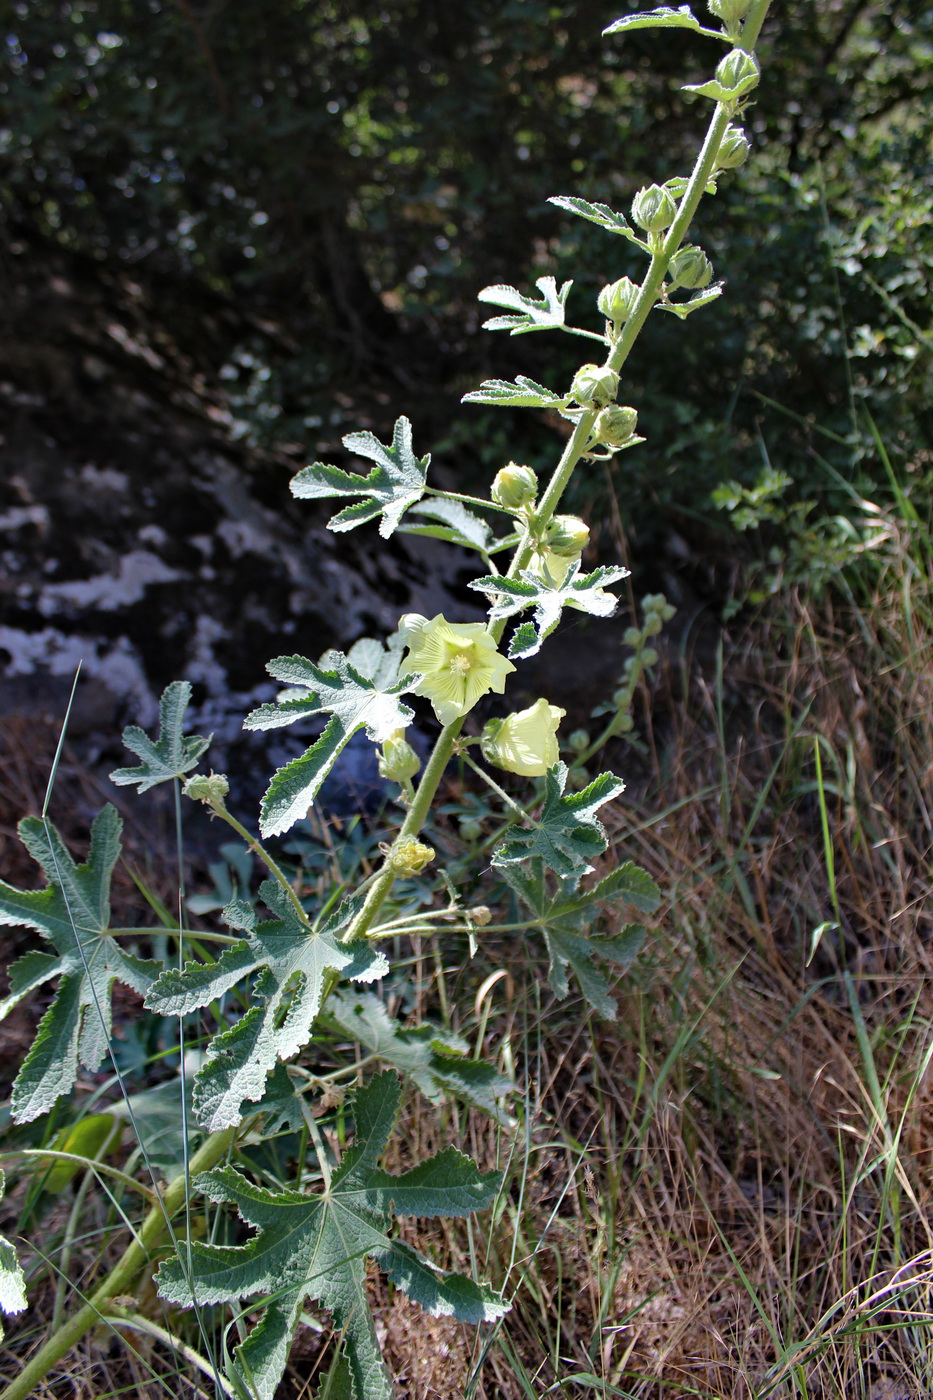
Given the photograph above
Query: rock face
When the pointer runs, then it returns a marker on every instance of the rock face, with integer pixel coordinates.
(138, 536)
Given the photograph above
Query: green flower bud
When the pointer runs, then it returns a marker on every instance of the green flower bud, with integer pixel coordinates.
(653, 209)
(736, 68)
(578, 741)
(471, 830)
(567, 536)
(615, 426)
(734, 150)
(594, 386)
(616, 300)
(649, 657)
(524, 742)
(210, 789)
(625, 724)
(398, 761)
(690, 268)
(729, 11)
(514, 487)
(552, 568)
(632, 637)
(409, 857)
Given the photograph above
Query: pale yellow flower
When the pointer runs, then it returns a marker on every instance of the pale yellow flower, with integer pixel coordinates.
(458, 661)
(525, 742)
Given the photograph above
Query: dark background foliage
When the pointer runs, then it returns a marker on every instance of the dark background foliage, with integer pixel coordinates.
(309, 195)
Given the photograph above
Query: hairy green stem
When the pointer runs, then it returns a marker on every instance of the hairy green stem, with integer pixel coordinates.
(123, 1275)
(254, 844)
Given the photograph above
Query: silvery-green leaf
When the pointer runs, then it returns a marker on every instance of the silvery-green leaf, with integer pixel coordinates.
(599, 214)
(395, 482)
(581, 591)
(172, 753)
(315, 1247)
(567, 835)
(12, 1282)
(548, 313)
(523, 393)
(73, 913)
(665, 17)
(701, 298)
(437, 1061)
(458, 525)
(292, 960)
(352, 699)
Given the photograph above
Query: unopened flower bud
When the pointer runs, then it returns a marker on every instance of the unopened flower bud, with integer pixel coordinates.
(690, 268)
(616, 300)
(615, 426)
(524, 742)
(653, 209)
(514, 487)
(632, 637)
(578, 741)
(649, 657)
(738, 70)
(480, 915)
(552, 568)
(567, 536)
(409, 857)
(398, 761)
(734, 150)
(594, 386)
(471, 830)
(210, 789)
(729, 11)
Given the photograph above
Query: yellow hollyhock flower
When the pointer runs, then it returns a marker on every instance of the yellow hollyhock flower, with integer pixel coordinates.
(458, 661)
(524, 742)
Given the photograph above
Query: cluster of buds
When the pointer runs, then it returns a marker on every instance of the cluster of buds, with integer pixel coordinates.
(615, 427)
(689, 268)
(654, 208)
(738, 73)
(734, 150)
(731, 12)
(595, 386)
(210, 789)
(525, 742)
(398, 762)
(616, 301)
(407, 857)
(515, 487)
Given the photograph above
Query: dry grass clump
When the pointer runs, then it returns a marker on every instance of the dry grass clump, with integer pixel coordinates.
(747, 1173)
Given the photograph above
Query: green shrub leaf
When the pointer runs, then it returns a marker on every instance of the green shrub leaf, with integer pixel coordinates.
(316, 1247)
(354, 699)
(581, 591)
(567, 922)
(291, 959)
(523, 393)
(567, 834)
(73, 913)
(546, 314)
(395, 482)
(169, 756)
(437, 1061)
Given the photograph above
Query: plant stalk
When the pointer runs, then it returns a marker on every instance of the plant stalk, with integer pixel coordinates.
(122, 1276)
